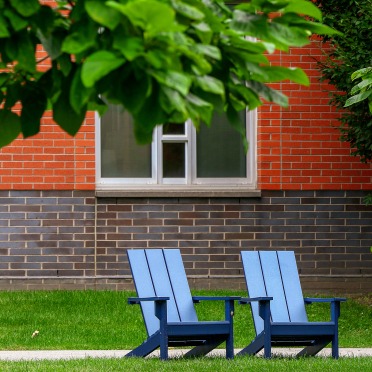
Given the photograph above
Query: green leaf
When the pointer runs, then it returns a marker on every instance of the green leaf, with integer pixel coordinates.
(10, 127)
(15, 20)
(204, 32)
(79, 94)
(357, 98)
(305, 8)
(52, 43)
(127, 86)
(284, 36)
(98, 65)
(150, 115)
(65, 116)
(278, 73)
(46, 19)
(237, 123)
(199, 109)
(50, 82)
(320, 29)
(173, 101)
(102, 14)
(200, 65)
(34, 103)
(25, 51)
(159, 60)
(210, 84)
(245, 45)
(364, 84)
(25, 8)
(64, 63)
(83, 37)
(360, 73)
(254, 25)
(187, 10)
(13, 95)
(151, 15)
(250, 98)
(3, 27)
(268, 93)
(209, 50)
(173, 79)
(4, 76)
(130, 47)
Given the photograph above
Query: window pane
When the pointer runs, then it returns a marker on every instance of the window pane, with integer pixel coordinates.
(173, 128)
(121, 156)
(220, 151)
(173, 160)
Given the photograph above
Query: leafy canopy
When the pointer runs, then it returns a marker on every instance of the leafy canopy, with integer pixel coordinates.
(162, 60)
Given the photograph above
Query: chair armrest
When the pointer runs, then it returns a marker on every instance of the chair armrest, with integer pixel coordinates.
(263, 308)
(137, 300)
(247, 300)
(335, 299)
(229, 304)
(197, 299)
(335, 306)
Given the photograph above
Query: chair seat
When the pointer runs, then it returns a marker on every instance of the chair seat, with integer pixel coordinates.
(311, 329)
(193, 329)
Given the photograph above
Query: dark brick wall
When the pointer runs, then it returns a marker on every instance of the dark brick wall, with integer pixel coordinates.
(70, 239)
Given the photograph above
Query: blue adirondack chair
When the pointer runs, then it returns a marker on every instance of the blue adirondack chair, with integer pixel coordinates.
(168, 307)
(278, 306)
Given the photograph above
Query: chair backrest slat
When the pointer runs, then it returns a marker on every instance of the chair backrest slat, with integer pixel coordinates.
(144, 287)
(292, 286)
(255, 284)
(274, 274)
(162, 282)
(160, 272)
(274, 286)
(180, 285)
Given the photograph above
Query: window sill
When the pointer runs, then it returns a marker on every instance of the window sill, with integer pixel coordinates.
(181, 191)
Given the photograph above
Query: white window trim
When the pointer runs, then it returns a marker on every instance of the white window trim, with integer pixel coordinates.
(190, 182)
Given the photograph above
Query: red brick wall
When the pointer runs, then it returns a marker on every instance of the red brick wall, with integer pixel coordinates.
(51, 160)
(298, 147)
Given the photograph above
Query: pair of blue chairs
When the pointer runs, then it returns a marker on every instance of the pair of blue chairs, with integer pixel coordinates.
(276, 300)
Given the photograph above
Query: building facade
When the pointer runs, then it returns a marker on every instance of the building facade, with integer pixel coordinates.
(71, 207)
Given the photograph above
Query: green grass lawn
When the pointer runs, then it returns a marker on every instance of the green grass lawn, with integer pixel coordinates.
(104, 320)
(200, 364)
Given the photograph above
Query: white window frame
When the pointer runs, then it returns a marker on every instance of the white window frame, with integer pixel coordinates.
(191, 180)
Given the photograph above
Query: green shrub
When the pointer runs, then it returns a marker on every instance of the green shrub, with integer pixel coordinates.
(347, 53)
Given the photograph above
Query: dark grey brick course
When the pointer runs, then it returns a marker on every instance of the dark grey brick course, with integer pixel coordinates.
(55, 234)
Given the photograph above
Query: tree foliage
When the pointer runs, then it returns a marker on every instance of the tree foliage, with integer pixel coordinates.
(349, 52)
(363, 90)
(162, 60)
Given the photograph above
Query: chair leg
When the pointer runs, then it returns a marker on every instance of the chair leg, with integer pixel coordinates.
(313, 349)
(254, 347)
(335, 313)
(335, 352)
(204, 349)
(230, 347)
(161, 314)
(152, 343)
(267, 344)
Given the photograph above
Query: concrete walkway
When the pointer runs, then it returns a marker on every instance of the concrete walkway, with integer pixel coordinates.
(80, 354)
